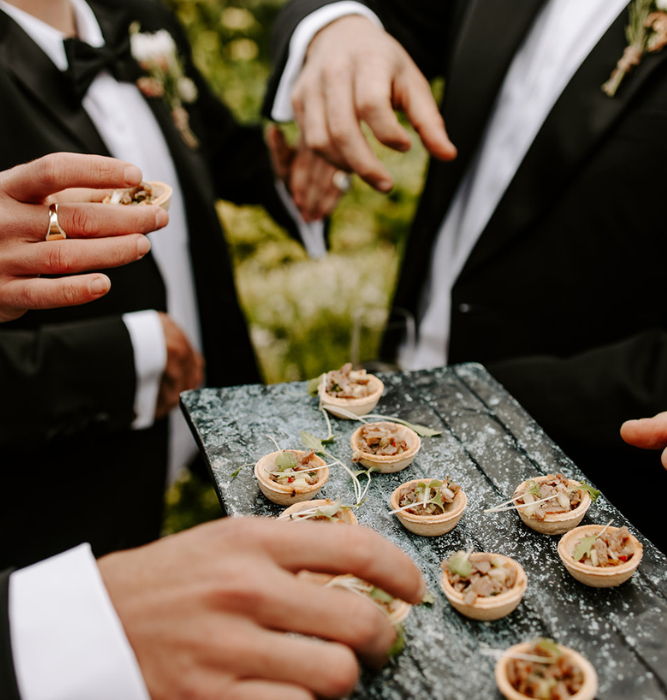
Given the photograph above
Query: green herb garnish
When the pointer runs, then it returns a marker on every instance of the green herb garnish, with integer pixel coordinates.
(399, 643)
(285, 460)
(459, 564)
(592, 492)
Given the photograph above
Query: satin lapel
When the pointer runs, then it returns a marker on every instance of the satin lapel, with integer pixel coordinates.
(491, 32)
(580, 119)
(35, 71)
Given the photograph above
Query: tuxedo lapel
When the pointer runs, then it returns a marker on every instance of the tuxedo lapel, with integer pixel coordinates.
(582, 116)
(46, 85)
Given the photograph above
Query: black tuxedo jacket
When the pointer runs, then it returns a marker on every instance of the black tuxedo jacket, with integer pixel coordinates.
(563, 296)
(71, 468)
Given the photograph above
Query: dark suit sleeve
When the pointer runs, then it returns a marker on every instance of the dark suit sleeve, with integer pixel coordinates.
(8, 687)
(64, 379)
(424, 28)
(584, 399)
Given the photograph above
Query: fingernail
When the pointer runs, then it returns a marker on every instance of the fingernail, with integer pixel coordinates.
(132, 175)
(100, 285)
(161, 218)
(143, 246)
(385, 185)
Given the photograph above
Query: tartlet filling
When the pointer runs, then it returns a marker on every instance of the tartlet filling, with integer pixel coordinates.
(141, 194)
(296, 470)
(381, 440)
(607, 549)
(329, 511)
(346, 383)
(556, 678)
(562, 498)
(434, 498)
(479, 575)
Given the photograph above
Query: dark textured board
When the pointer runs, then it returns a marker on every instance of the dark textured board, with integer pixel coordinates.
(489, 444)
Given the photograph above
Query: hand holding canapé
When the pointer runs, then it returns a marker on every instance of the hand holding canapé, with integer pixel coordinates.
(113, 233)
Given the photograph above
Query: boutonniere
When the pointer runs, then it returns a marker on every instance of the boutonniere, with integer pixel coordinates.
(646, 33)
(157, 55)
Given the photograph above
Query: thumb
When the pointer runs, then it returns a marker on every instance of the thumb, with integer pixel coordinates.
(282, 154)
(647, 433)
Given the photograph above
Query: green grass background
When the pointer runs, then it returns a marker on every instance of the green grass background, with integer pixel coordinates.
(302, 313)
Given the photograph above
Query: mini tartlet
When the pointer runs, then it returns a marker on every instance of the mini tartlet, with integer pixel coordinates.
(389, 447)
(554, 523)
(429, 525)
(352, 391)
(584, 673)
(308, 510)
(395, 608)
(159, 194)
(294, 492)
(599, 576)
(489, 606)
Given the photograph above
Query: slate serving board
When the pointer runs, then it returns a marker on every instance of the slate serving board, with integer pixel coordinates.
(489, 445)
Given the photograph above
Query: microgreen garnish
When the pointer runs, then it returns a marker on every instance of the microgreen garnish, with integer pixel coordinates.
(380, 595)
(422, 430)
(237, 471)
(327, 511)
(285, 460)
(428, 600)
(533, 488)
(314, 385)
(423, 496)
(399, 643)
(548, 646)
(585, 545)
(315, 443)
(592, 492)
(459, 563)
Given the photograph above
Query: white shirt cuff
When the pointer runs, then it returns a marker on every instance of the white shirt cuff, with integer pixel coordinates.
(312, 234)
(67, 640)
(303, 35)
(150, 359)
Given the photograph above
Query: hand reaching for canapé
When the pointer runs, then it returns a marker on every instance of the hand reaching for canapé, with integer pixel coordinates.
(205, 610)
(354, 72)
(114, 233)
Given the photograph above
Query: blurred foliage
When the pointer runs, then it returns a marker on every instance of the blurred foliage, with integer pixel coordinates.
(305, 316)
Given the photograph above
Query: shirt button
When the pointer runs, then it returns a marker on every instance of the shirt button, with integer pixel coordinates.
(464, 308)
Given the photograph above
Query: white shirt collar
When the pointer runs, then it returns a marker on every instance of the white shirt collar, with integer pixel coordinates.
(49, 39)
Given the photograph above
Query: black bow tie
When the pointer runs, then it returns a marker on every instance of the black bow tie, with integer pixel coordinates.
(86, 61)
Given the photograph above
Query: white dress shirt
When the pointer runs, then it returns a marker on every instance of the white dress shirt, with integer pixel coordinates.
(562, 36)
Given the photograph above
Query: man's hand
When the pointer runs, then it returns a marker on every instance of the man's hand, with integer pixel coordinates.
(24, 218)
(354, 72)
(184, 370)
(647, 433)
(205, 610)
(307, 176)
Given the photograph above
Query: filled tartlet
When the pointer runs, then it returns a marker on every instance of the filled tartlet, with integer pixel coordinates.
(397, 610)
(320, 510)
(600, 556)
(551, 504)
(386, 446)
(545, 670)
(346, 390)
(290, 476)
(158, 193)
(429, 507)
(483, 586)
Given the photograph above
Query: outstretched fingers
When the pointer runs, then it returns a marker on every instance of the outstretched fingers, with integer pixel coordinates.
(58, 171)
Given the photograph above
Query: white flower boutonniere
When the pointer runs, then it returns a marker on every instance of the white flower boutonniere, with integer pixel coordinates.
(157, 55)
(646, 33)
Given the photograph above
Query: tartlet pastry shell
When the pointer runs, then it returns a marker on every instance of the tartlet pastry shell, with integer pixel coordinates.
(588, 690)
(163, 194)
(348, 517)
(388, 464)
(429, 525)
(360, 407)
(492, 608)
(282, 495)
(558, 523)
(598, 577)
